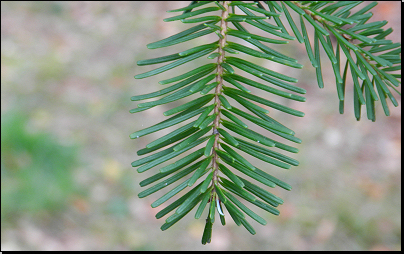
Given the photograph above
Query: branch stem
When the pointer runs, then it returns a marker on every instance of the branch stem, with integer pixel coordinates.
(218, 91)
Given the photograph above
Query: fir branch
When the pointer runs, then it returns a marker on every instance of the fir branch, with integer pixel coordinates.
(371, 82)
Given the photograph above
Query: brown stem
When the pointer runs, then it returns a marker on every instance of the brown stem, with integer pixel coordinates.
(218, 91)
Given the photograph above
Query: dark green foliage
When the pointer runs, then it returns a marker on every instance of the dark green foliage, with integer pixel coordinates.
(214, 134)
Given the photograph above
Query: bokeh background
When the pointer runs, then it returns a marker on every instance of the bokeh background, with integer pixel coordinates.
(66, 181)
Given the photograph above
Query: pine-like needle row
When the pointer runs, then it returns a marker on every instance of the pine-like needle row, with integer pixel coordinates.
(206, 161)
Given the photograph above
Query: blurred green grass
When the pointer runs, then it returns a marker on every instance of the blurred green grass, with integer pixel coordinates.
(36, 170)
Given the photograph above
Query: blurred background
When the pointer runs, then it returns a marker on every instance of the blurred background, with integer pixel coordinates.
(66, 180)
